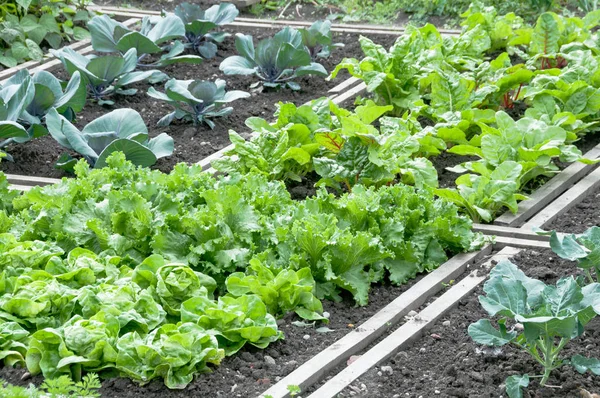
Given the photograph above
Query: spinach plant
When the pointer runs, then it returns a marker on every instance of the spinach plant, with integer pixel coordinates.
(196, 100)
(276, 61)
(200, 23)
(107, 74)
(319, 40)
(154, 37)
(120, 130)
(551, 317)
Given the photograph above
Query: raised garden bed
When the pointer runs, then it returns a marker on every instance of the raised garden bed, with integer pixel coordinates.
(447, 363)
(37, 158)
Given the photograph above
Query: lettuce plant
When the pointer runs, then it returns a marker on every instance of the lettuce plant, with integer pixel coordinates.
(276, 61)
(197, 101)
(199, 24)
(551, 317)
(319, 40)
(108, 74)
(153, 38)
(120, 130)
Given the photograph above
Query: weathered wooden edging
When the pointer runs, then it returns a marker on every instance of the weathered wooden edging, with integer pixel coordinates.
(549, 191)
(50, 61)
(508, 232)
(565, 202)
(264, 23)
(409, 332)
(358, 339)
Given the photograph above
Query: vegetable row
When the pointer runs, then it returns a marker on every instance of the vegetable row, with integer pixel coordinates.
(41, 104)
(151, 275)
(511, 98)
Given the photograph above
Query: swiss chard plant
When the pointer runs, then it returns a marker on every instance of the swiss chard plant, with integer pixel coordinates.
(482, 196)
(319, 39)
(197, 101)
(200, 25)
(107, 74)
(120, 130)
(275, 61)
(551, 317)
(531, 143)
(157, 36)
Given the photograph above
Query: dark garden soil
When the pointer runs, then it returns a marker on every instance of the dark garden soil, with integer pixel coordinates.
(251, 371)
(446, 363)
(579, 218)
(192, 144)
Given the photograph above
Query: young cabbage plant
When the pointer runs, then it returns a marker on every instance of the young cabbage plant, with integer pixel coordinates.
(583, 248)
(551, 316)
(107, 74)
(120, 130)
(199, 24)
(276, 61)
(196, 100)
(319, 40)
(14, 99)
(154, 37)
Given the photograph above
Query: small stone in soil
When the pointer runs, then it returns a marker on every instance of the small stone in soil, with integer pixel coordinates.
(446, 323)
(387, 369)
(306, 337)
(269, 360)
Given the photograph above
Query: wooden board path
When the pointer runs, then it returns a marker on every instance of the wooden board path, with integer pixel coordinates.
(358, 339)
(409, 332)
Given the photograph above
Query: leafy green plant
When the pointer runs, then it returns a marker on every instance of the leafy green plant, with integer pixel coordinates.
(319, 40)
(61, 387)
(482, 196)
(276, 61)
(153, 38)
(196, 100)
(531, 143)
(120, 130)
(105, 75)
(551, 317)
(200, 23)
(583, 248)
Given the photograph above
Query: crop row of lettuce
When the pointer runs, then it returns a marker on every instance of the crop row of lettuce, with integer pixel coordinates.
(151, 275)
(509, 97)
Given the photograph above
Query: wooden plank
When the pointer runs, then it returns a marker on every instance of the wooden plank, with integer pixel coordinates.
(565, 202)
(20, 187)
(358, 339)
(503, 241)
(549, 191)
(390, 28)
(30, 180)
(409, 332)
(510, 232)
(346, 84)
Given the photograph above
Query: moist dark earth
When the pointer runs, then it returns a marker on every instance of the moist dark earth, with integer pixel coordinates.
(251, 371)
(37, 158)
(581, 217)
(449, 364)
